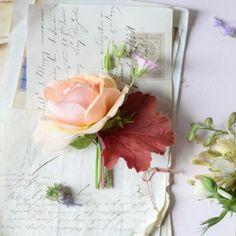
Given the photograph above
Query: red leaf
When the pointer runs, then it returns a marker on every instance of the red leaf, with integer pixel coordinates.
(150, 132)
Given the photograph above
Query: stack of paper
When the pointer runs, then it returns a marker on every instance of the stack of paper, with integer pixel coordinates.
(5, 19)
(65, 40)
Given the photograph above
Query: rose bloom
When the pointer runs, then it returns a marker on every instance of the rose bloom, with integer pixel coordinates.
(77, 106)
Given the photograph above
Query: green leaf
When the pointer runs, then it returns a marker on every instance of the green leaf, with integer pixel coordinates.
(133, 72)
(119, 120)
(119, 52)
(231, 120)
(233, 209)
(115, 50)
(193, 131)
(208, 122)
(108, 61)
(140, 73)
(210, 185)
(83, 141)
(122, 52)
(53, 192)
(214, 220)
(211, 221)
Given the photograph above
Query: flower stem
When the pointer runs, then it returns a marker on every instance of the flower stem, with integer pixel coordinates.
(132, 82)
(98, 167)
(108, 178)
(103, 176)
(216, 130)
(117, 66)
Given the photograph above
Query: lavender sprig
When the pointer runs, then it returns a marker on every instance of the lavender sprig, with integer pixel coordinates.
(62, 194)
(223, 27)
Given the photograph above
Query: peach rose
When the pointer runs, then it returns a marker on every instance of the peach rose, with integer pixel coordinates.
(77, 106)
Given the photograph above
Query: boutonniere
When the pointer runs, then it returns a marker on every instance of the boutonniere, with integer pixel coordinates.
(219, 156)
(91, 109)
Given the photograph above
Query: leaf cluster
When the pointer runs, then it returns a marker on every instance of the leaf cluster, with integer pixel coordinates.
(137, 72)
(118, 52)
(119, 120)
(83, 141)
(229, 205)
(53, 192)
(207, 125)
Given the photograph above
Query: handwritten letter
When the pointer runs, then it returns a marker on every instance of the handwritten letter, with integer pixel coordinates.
(67, 40)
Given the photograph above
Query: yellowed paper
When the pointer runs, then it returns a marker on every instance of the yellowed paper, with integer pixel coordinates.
(3, 50)
(5, 19)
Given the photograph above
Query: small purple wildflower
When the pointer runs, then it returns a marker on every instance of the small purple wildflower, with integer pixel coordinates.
(62, 194)
(224, 28)
(144, 64)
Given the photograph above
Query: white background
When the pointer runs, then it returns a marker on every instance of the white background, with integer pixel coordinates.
(209, 89)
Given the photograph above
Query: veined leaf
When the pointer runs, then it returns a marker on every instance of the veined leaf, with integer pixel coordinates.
(83, 141)
(149, 132)
(210, 185)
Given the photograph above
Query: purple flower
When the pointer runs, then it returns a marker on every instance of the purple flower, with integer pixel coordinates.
(62, 194)
(144, 64)
(66, 198)
(224, 28)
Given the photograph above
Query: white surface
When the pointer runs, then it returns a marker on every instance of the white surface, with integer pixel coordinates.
(208, 90)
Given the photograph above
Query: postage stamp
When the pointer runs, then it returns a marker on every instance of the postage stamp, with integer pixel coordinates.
(150, 46)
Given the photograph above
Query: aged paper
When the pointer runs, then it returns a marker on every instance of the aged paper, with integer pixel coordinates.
(178, 66)
(82, 43)
(147, 85)
(20, 95)
(3, 51)
(154, 42)
(123, 210)
(14, 56)
(5, 19)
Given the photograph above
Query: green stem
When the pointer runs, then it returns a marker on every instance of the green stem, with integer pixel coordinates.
(108, 178)
(132, 82)
(216, 130)
(98, 166)
(118, 64)
(210, 222)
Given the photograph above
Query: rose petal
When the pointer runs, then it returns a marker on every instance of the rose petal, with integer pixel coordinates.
(68, 112)
(83, 95)
(100, 124)
(92, 79)
(50, 137)
(108, 81)
(55, 91)
(103, 103)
